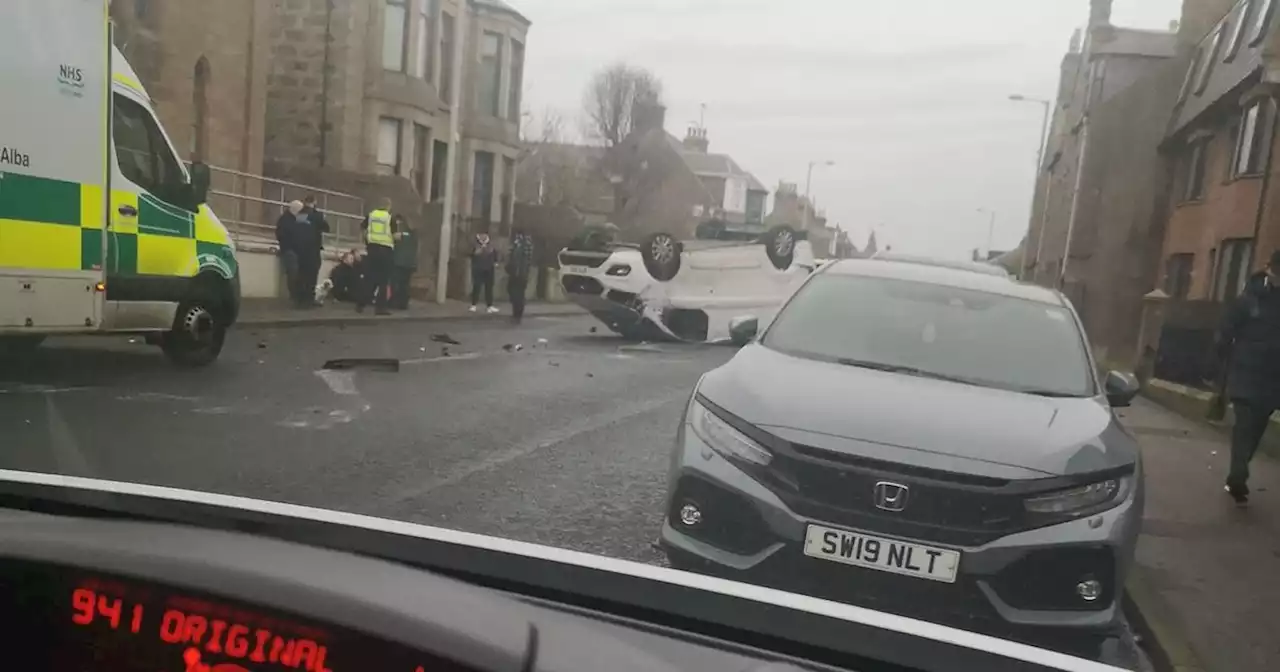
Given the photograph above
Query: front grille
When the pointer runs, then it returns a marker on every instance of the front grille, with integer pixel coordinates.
(942, 507)
(1046, 579)
(589, 259)
(577, 284)
(729, 521)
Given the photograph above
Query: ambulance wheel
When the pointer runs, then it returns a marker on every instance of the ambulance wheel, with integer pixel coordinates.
(661, 254)
(20, 345)
(780, 245)
(198, 333)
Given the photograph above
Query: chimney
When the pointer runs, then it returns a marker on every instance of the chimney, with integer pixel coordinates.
(1099, 13)
(1076, 40)
(696, 139)
(649, 117)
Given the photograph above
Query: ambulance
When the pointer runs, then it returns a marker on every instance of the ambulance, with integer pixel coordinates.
(103, 230)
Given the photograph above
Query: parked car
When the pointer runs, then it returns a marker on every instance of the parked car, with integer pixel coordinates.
(917, 439)
(668, 289)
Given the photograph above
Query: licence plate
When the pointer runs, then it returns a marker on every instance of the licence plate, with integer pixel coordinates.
(580, 270)
(879, 553)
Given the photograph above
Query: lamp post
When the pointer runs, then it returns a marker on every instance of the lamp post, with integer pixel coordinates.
(808, 180)
(1044, 134)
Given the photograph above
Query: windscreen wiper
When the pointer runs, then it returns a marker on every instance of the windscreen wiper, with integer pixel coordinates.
(901, 368)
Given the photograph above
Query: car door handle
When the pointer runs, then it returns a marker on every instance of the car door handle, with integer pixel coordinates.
(128, 211)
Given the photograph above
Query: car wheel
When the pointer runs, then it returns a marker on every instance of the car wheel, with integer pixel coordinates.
(20, 345)
(661, 253)
(198, 333)
(780, 245)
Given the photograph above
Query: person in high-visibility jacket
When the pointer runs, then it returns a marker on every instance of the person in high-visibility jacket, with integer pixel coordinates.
(380, 238)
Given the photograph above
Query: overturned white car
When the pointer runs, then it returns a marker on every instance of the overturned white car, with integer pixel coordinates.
(663, 288)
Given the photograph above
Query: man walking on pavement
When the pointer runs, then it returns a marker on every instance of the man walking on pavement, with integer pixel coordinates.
(1249, 343)
(311, 227)
(380, 239)
(519, 264)
(406, 262)
(484, 261)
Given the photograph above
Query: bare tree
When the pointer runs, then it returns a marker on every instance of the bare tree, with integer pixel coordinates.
(611, 99)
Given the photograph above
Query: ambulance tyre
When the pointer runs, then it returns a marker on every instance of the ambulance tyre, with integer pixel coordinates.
(661, 254)
(199, 330)
(20, 345)
(780, 245)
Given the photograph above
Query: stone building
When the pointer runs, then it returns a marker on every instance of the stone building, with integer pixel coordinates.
(205, 66)
(365, 87)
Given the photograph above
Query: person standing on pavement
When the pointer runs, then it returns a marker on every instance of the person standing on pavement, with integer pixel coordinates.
(519, 265)
(484, 262)
(311, 228)
(406, 262)
(1249, 344)
(380, 242)
(288, 237)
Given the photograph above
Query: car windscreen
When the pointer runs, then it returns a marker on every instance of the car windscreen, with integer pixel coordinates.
(935, 330)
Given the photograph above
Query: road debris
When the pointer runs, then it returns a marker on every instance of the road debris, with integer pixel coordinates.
(373, 363)
(445, 338)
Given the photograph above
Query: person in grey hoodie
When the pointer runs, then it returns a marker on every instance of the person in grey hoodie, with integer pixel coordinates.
(484, 262)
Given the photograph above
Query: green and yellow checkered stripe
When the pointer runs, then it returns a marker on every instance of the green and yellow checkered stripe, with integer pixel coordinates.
(57, 225)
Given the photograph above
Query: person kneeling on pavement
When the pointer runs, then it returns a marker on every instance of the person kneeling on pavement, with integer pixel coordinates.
(345, 278)
(1249, 345)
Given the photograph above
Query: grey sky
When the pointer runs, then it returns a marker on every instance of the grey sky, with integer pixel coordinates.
(908, 97)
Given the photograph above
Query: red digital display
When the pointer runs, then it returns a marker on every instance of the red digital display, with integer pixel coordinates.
(119, 618)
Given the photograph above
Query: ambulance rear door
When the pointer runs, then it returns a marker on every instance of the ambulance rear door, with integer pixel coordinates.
(55, 78)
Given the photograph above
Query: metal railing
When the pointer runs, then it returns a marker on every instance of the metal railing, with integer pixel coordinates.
(249, 205)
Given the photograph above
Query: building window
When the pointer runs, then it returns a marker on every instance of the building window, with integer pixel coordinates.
(1234, 257)
(516, 81)
(141, 8)
(389, 145)
(482, 186)
(421, 157)
(446, 57)
(425, 9)
(1177, 275)
(490, 71)
(508, 187)
(1233, 139)
(439, 168)
(1206, 63)
(394, 23)
(1190, 78)
(1261, 20)
(1251, 149)
(1237, 31)
(1196, 159)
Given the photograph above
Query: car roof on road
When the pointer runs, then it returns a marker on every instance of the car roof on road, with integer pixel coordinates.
(941, 275)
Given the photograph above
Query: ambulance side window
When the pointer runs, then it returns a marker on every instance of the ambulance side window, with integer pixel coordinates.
(142, 153)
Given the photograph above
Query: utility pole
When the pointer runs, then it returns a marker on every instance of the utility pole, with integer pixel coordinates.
(808, 204)
(451, 167)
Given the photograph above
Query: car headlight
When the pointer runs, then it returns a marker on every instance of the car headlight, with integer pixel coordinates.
(620, 270)
(1077, 499)
(724, 439)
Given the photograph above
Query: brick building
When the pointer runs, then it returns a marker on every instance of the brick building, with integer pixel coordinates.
(205, 66)
(365, 86)
(1224, 216)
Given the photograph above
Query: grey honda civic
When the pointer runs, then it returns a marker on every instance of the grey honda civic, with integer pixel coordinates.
(921, 440)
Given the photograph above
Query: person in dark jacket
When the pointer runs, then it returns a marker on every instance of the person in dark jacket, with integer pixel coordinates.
(406, 262)
(519, 266)
(290, 240)
(346, 278)
(1249, 344)
(310, 229)
(484, 262)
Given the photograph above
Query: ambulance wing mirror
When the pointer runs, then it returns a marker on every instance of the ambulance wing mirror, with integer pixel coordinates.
(200, 180)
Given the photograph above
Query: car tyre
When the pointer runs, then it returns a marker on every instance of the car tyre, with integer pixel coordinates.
(780, 245)
(661, 254)
(198, 333)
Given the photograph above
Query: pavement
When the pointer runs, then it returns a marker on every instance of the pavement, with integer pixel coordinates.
(1206, 578)
(280, 313)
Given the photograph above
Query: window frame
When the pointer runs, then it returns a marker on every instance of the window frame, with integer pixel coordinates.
(480, 200)
(1229, 264)
(1243, 165)
(398, 124)
(1261, 21)
(403, 58)
(426, 55)
(515, 80)
(1179, 269)
(1197, 165)
(1237, 31)
(1210, 58)
(448, 40)
(491, 107)
(168, 177)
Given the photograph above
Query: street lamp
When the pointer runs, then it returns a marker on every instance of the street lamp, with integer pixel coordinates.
(991, 229)
(1044, 134)
(808, 180)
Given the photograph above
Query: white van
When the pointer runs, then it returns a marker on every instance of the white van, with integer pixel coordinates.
(102, 228)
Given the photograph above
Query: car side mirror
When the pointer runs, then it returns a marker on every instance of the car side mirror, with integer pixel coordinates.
(1121, 388)
(200, 181)
(743, 329)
